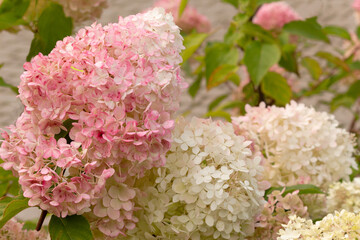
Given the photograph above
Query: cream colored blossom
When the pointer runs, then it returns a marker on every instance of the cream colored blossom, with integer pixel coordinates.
(297, 141)
(208, 188)
(339, 226)
(344, 195)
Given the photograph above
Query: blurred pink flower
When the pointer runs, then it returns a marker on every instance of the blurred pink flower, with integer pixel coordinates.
(356, 5)
(273, 16)
(12, 230)
(190, 19)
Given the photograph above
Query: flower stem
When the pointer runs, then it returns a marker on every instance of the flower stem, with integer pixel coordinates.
(41, 220)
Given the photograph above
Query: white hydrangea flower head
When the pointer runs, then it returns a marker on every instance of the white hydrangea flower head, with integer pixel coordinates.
(299, 142)
(344, 195)
(338, 226)
(208, 189)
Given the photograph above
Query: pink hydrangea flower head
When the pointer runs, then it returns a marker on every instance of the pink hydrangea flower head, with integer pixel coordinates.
(189, 20)
(98, 108)
(273, 16)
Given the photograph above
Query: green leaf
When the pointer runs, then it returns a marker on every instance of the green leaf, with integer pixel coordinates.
(275, 86)
(337, 31)
(333, 59)
(194, 88)
(358, 32)
(73, 227)
(29, 225)
(255, 30)
(308, 28)
(4, 201)
(235, 3)
(234, 104)
(216, 102)
(326, 84)
(354, 90)
(221, 75)
(192, 42)
(235, 78)
(219, 114)
(219, 54)
(346, 99)
(288, 58)
(8, 183)
(13, 208)
(11, 13)
(259, 57)
(303, 189)
(7, 85)
(312, 66)
(341, 100)
(355, 65)
(260, 2)
(53, 25)
(182, 7)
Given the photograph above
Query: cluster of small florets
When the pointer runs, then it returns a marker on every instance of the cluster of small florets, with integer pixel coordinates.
(13, 230)
(344, 195)
(338, 226)
(273, 16)
(299, 142)
(209, 187)
(81, 10)
(99, 106)
(190, 19)
(276, 212)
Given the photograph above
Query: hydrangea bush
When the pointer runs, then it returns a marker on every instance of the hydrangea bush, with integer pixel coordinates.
(97, 146)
